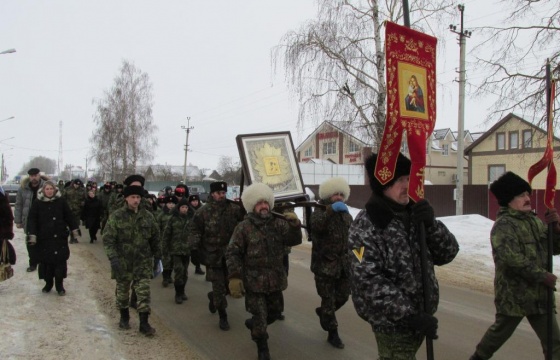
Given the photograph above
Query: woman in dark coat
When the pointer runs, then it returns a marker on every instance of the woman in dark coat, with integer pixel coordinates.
(91, 215)
(48, 222)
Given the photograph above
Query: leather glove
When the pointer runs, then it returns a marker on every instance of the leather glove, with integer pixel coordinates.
(76, 233)
(425, 324)
(423, 212)
(550, 280)
(339, 206)
(31, 240)
(236, 288)
(115, 265)
(292, 219)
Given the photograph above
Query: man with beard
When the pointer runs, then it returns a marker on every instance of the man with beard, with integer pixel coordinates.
(385, 271)
(519, 247)
(209, 233)
(26, 194)
(254, 260)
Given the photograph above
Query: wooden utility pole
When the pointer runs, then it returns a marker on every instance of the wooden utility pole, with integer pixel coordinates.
(187, 129)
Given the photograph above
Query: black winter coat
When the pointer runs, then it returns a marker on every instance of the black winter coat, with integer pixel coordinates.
(91, 214)
(50, 220)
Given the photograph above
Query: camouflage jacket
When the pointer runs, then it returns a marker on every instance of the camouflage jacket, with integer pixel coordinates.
(211, 229)
(75, 199)
(116, 201)
(385, 265)
(132, 237)
(162, 219)
(104, 197)
(174, 239)
(519, 248)
(256, 250)
(329, 231)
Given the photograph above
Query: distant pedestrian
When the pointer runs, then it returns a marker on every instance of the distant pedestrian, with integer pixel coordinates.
(194, 204)
(91, 214)
(254, 260)
(519, 247)
(26, 194)
(132, 244)
(75, 196)
(162, 219)
(49, 222)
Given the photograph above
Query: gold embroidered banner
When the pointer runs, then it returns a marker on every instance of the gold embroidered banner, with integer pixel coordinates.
(411, 103)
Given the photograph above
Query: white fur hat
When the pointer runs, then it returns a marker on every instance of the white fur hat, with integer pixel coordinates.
(255, 193)
(334, 185)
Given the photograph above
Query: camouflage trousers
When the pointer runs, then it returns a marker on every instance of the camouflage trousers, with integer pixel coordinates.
(334, 293)
(503, 328)
(180, 267)
(398, 346)
(219, 278)
(167, 262)
(142, 289)
(265, 308)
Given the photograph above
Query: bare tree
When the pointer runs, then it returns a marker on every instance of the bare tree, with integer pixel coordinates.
(125, 136)
(46, 165)
(515, 68)
(230, 171)
(335, 65)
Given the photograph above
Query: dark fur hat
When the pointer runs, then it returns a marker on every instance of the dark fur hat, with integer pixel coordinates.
(169, 199)
(33, 171)
(132, 178)
(133, 190)
(508, 186)
(218, 186)
(194, 197)
(402, 168)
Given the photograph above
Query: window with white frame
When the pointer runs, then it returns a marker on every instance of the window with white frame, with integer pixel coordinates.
(513, 140)
(308, 152)
(329, 148)
(495, 171)
(353, 147)
(527, 139)
(500, 141)
(445, 150)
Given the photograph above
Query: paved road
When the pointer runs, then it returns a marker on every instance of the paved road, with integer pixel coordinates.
(464, 317)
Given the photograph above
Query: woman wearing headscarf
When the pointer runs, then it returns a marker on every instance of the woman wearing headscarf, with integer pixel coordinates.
(49, 221)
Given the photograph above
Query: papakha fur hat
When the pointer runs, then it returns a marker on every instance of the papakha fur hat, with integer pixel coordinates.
(218, 186)
(508, 186)
(255, 193)
(334, 185)
(133, 190)
(402, 168)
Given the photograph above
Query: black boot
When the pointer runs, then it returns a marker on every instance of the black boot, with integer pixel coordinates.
(145, 327)
(133, 300)
(166, 274)
(125, 319)
(249, 324)
(48, 286)
(178, 294)
(59, 286)
(262, 346)
(183, 294)
(334, 339)
(224, 325)
(475, 356)
(319, 313)
(211, 305)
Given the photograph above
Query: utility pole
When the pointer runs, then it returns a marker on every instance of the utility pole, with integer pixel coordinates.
(187, 129)
(463, 35)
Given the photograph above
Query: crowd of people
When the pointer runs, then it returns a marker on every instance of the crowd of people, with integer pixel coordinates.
(374, 259)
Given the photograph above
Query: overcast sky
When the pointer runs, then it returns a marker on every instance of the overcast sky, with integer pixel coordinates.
(207, 60)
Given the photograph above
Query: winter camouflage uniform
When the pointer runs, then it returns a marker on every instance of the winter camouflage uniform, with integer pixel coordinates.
(255, 254)
(329, 261)
(209, 233)
(386, 274)
(519, 248)
(104, 197)
(166, 260)
(133, 237)
(174, 244)
(75, 199)
(116, 201)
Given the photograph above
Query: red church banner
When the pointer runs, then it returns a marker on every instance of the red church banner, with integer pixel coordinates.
(411, 103)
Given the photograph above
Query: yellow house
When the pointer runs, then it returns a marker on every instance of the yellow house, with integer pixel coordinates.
(512, 144)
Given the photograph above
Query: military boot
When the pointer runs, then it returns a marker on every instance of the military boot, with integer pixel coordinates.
(166, 274)
(322, 321)
(145, 327)
(211, 305)
(475, 356)
(178, 294)
(334, 339)
(183, 294)
(262, 347)
(125, 318)
(224, 325)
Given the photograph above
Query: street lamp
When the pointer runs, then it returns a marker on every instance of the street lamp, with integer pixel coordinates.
(9, 51)
(10, 118)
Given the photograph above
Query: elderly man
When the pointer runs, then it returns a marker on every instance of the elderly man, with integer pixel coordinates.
(254, 260)
(385, 272)
(209, 232)
(26, 194)
(519, 248)
(132, 244)
(329, 255)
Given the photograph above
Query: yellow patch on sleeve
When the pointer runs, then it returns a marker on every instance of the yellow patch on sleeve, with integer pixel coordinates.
(359, 253)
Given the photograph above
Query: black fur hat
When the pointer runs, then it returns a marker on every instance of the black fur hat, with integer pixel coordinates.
(218, 186)
(133, 190)
(402, 168)
(132, 178)
(508, 186)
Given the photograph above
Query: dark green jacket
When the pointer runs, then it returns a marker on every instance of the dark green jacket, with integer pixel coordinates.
(519, 249)
(174, 240)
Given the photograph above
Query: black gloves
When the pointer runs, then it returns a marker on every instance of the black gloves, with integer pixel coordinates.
(115, 265)
(425, 324)
(423, 212)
